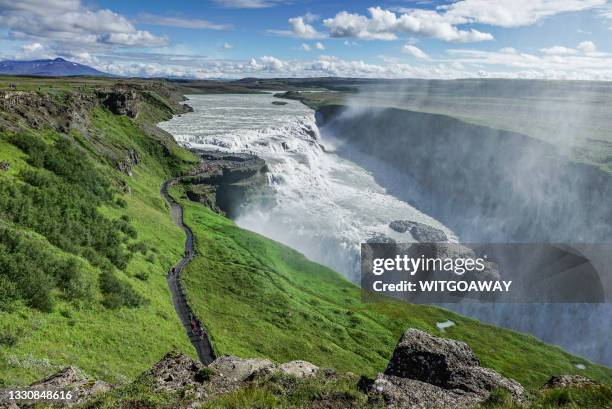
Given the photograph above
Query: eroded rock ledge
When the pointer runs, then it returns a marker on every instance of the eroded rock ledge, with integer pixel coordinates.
(226, 181)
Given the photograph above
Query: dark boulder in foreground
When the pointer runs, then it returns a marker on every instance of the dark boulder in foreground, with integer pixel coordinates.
(430, 372)
(423, 233)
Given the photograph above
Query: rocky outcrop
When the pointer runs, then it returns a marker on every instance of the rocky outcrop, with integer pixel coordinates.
(421, 232)
(131, 159)
(568, 381)
(431, 372)
(226, 182)
(120, 101)
(299, 369)
(69, 379)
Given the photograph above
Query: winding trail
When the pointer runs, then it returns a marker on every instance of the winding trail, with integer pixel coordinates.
(201, 341)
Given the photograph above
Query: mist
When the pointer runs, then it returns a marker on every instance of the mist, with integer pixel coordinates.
(496, 162)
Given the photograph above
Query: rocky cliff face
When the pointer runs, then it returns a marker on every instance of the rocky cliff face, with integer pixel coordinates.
(484, 183)
(227, 181)
(120, 101)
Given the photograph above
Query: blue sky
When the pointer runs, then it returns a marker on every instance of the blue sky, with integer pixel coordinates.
(557, 39)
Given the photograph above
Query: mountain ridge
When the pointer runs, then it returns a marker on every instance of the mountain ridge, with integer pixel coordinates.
(57, 67)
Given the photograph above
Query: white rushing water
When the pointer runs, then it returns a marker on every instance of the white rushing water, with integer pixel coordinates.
(325, 205)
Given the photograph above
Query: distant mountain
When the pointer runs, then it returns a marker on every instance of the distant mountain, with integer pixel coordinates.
(53, 68)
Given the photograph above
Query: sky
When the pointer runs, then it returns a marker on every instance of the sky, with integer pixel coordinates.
(545, 39)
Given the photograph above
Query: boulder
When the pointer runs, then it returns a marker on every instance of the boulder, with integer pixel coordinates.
(299, 369)
(397, 392)
(380, 238)
(419, 355)
(175, 371)
(238, 369)
(72, 379)
(568, 381)
(432, 372)
(422, 233)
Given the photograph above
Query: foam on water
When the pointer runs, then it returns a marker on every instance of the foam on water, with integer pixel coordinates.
(325, 205)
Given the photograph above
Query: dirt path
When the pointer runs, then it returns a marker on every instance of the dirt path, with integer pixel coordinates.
(196, 333)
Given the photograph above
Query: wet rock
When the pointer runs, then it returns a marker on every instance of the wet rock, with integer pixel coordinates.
(423, 233)
(431, 372)
(568, 381)
(380, 238)
(299, 369)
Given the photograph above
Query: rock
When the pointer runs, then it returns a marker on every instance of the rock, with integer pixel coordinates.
(419, 355)
(238, 369)
(72, 379)
(431, 372)
(380, 238)
(279, 103)
(568, 381)
(423, 233)
(4, 166)
(174, 371)
(413, 394)
(299, 369)
(120, 101)
(132, 158)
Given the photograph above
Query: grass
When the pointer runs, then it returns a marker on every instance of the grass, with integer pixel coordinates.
(259, 298)
(110, 344)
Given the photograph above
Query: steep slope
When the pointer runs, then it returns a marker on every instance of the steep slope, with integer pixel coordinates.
(260, 298)
(86, 239)
(95, 143)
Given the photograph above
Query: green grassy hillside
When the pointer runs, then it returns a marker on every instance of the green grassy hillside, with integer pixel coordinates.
(82, 261)
(84, 249)
(260, 298)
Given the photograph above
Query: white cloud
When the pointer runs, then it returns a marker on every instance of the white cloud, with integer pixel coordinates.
(227, 46)
(69, 22)
(386, 25)
(513, 13)
(319, 46)
(508, 50)
(558, 50)
(300, 28)
(414, 51)
(33, 51)
(305, 47)
(587, 47)
(461, 63)
(248, 4)
(271, 64)
(192, 23)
